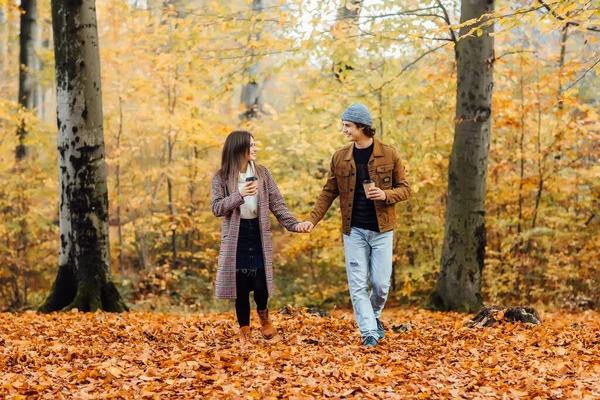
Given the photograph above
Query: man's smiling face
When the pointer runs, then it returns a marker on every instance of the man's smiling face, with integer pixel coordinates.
(352, 132)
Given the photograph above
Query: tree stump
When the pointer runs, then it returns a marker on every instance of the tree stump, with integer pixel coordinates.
(489, 316)
(402, 328)
(314, 310)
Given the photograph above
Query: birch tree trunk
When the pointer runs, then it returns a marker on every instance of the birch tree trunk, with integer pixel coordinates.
(84, 279)
(27, 63)
(463, 253)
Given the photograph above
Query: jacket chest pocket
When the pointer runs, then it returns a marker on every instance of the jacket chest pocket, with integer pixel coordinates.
(343, 177)
(384, 175)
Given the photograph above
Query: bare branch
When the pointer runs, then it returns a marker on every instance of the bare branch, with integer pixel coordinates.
(249, 56)
(525, 10)
(229, 16)
(447, 19)
(590, 219)
(430, 15)
(400, 39)
(407, 66)
(563, 18)
(408, 12)
(515, 52)
(584, 74)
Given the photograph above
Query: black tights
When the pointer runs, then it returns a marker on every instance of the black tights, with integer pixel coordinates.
(246, 282)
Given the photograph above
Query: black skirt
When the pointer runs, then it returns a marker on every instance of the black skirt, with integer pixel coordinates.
(249, 254)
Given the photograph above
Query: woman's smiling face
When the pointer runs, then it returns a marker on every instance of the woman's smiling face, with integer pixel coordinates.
(251, 153)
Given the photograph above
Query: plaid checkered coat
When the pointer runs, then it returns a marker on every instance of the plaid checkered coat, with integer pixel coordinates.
(226, 201)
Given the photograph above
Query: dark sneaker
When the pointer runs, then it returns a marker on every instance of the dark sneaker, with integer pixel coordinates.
(380, 330)
(370, 341)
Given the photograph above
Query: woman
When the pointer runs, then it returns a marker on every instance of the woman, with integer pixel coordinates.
(245, 257)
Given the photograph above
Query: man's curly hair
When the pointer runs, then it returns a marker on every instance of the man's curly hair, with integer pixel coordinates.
(367, 130)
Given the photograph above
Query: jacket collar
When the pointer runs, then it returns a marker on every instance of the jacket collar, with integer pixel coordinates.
(377, 150)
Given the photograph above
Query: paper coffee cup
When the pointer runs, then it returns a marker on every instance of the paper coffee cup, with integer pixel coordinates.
(368, 184)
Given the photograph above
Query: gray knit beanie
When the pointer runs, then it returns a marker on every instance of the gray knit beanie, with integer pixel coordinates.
(358, 113)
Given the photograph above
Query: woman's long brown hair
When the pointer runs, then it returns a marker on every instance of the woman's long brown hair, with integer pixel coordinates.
(236, 146)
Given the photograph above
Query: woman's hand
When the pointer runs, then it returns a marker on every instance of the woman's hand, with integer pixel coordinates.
(249, 189)
(305, 227)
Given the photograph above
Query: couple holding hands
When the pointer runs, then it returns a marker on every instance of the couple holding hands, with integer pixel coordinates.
(369, 178)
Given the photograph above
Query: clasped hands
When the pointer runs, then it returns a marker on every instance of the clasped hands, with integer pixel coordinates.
(251, 189)
(305, 227)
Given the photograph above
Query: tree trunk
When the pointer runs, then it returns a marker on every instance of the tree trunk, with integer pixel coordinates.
(540, 163)
(172, 208)
(345, 31)
(43, 107)
(155, 8)
(394, 266)
(192, 208)
(459, 283)
(118, 178)
(561, 63)
(251, 92)
(172, 101)
(3, 51)
(27, 66)
(142, 247)
(521, 155)
(84, 279)
(27, 62)
(180, 7)
(38, 98)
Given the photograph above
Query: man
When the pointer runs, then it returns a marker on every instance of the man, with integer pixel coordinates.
(368, 218)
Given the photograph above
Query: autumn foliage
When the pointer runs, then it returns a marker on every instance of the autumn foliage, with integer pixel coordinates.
(171, 83)
(158, 356)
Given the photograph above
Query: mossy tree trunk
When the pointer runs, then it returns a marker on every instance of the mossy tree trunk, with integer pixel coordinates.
(463, 253)
(84, 279)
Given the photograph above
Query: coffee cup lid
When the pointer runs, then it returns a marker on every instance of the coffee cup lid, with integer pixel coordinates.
(368, 181)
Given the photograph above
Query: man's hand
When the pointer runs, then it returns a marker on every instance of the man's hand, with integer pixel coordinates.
(376, 194)
(305, 227)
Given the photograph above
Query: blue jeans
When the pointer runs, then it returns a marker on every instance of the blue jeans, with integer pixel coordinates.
(368, 260)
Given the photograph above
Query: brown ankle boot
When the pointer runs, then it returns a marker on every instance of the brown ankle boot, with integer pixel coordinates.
(268, 330)
(245, 337)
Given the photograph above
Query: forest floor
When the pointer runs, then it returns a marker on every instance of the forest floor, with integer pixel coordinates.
(139, 355)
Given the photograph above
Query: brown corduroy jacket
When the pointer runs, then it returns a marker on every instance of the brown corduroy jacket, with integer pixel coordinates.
(385, 168)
